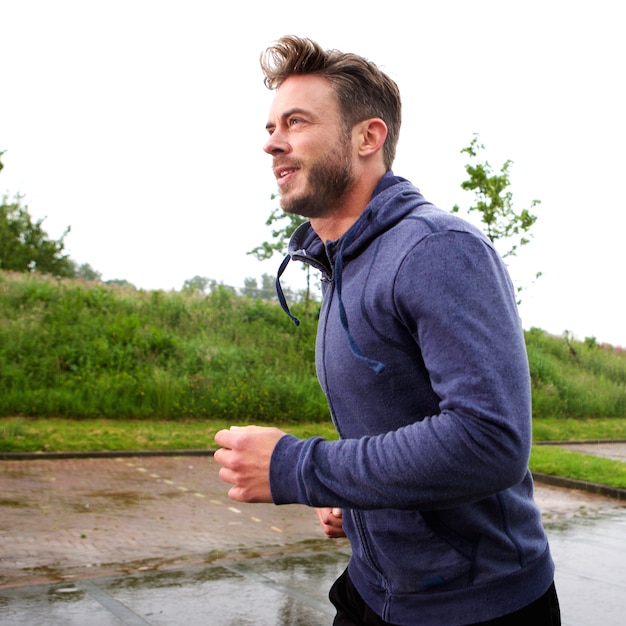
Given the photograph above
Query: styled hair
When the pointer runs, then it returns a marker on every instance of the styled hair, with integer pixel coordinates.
(362, 89)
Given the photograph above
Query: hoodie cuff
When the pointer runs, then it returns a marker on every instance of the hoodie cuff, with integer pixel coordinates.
(285, 470)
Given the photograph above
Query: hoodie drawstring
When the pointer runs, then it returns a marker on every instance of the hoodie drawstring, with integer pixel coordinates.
(279, 291)
(377, 366)
(356, 350)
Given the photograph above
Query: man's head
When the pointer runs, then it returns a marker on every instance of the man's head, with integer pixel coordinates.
(362, 90)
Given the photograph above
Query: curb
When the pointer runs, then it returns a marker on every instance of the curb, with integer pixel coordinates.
(577, 442)
(581, 485)
(98, 454)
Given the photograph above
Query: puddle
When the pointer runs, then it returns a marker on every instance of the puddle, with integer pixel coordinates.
(290, 591)
(15, 504)
(120, 498)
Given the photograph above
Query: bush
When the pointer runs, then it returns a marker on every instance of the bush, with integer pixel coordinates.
(78, 349)
(575, 379)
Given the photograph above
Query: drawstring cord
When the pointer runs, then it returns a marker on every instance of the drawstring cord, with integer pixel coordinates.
(377, 366)
(356, 350)
(279, 291)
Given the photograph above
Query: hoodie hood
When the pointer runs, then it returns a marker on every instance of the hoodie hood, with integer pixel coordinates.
(392, 200)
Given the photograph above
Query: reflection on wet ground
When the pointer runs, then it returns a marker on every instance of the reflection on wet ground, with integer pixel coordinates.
(156, 542)
(288, 590)
(591, 569)
(292, 590)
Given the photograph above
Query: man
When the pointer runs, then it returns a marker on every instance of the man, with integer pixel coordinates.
(422, 358)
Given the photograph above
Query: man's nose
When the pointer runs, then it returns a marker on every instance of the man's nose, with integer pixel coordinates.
(276, 144)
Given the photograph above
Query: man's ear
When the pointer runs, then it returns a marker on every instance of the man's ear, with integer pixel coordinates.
(371, 135)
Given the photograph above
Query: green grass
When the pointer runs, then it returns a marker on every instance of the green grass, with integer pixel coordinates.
(556, 461)
(90, 435)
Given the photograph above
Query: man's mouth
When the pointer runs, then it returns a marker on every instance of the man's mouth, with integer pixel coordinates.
(284, 174)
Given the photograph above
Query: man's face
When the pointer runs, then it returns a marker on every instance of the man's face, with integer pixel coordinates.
(311, 150)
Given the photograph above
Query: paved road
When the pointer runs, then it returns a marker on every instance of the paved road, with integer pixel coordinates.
(615, 451)
(122, 536)
(74, 516)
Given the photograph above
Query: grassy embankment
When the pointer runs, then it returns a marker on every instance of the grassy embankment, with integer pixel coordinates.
(90, 367)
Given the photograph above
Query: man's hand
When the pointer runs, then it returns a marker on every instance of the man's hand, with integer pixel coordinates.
(331, 521)
(245, 459)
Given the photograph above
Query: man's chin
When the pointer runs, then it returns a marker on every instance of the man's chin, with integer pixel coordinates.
(297, 206)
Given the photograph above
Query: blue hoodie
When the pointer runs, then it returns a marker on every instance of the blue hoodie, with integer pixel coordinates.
(421, 355)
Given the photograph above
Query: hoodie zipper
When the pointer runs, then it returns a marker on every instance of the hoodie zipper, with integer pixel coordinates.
(359, 524)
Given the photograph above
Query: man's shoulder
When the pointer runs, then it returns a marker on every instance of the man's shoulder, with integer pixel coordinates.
(430, 219)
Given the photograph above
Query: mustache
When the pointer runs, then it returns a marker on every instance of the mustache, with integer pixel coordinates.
(286, 162)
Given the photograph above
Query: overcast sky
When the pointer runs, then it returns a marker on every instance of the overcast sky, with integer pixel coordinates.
(140, 124)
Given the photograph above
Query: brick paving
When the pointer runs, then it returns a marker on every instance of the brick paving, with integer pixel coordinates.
(81, 518)
(86, 517)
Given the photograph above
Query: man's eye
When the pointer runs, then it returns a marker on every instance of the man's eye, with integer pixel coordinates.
(294, 121)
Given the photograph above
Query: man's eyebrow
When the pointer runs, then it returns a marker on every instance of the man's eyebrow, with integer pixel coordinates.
(287, 114)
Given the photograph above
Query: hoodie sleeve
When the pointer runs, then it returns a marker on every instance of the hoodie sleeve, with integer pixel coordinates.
(453, 293)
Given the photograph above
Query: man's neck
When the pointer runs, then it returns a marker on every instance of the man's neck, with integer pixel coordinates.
(332, 226)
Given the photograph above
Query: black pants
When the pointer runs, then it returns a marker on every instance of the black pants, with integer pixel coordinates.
(352, 610)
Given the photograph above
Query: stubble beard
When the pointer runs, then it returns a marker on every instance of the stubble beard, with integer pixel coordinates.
(329, 180)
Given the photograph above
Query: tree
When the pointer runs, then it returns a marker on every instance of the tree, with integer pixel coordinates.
(280, 236)
(204, 286)
(268, 288)
(250, 288)
(199, 284)
(25, 245)
(120, 282)
(265, 292)
(86, 272)
(494, 203)
(280, 242)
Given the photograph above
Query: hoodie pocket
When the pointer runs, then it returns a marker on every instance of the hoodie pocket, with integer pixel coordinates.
(410, 551)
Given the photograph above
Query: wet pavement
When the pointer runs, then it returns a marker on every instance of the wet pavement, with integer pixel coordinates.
(156, 541)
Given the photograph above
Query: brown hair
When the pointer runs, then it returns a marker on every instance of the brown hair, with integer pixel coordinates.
(362, 89)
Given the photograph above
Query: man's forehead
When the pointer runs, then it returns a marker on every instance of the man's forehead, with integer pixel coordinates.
(306, 91)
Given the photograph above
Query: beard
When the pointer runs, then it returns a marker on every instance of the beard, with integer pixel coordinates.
(329, 178)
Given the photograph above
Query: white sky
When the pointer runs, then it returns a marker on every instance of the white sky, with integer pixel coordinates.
(139, 123)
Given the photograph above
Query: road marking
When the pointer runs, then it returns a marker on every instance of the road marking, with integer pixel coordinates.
(197, 494)
(118, 609)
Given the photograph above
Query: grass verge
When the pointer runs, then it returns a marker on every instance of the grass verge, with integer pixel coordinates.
(556, 461)
(19, 434)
